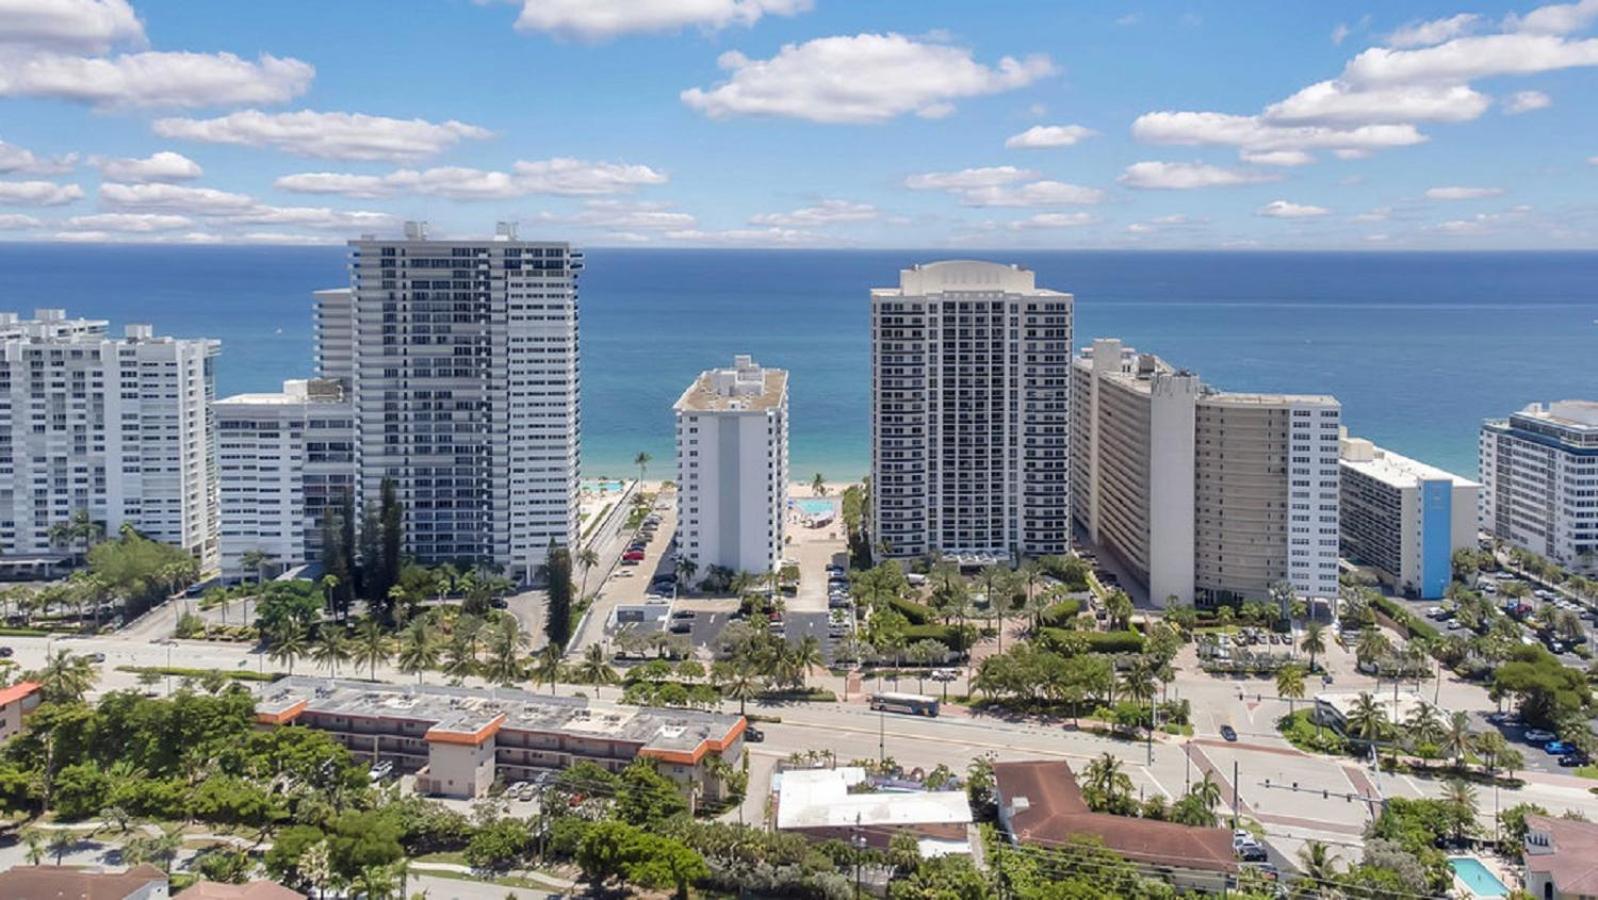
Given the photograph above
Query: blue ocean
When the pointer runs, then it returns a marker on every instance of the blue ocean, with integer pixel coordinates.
(1419, 347)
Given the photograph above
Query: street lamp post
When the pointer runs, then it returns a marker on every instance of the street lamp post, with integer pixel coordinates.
(857, 840)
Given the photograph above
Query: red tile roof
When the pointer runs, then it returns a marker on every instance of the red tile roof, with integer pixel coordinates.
(1572, 860)
(61, 883)
(17, 691)
(255, 890)
(1054, 812)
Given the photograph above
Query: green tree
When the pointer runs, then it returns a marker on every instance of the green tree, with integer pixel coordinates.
(1108, 788)
(65, 678)
(1314, 642)
(392, 520)
(289, 643)
(1290, 685)
(648, 799)
(505, 646)
(372, 645)
(557, 572)
(1457, 737)
(595, 668)
(331, 647)
(419, 649)
(547, 666)
(499, 845)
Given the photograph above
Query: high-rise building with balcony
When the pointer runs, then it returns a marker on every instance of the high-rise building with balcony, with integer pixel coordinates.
(732, 468)
(463, 362)
(1402, 518)
(970, 411)
(1539, 474)
(118, 427)
(287, 459)
(1204, 495)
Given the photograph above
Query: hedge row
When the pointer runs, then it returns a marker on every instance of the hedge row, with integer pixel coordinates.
(948, 635)
(1061, 613)
(1411, 622)
(1097, 641)
(916, 613)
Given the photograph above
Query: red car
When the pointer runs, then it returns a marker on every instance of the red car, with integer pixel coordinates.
(634, 555)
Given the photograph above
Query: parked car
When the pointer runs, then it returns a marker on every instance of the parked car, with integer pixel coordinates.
(6, 652)
(380, 771)
(1559, 748)
(94, 657)
(1539, 736)
(1229, 732)
(682, 626)
(682, 614)
(1573, 759)
(754, 735)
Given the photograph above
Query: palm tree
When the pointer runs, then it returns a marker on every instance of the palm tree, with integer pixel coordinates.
(505, 644)
(1119, 606)
(418, 649)
(1314, 642)
(547, 666)
(1423, 726)
(1107, 782)
(818, 485)
(1366, 720)
(289, 643)
(1491, 746)
(255, 561)
(595, 669)
(1460, 798)
(65, 678)
(686, 567)
(806, 655)
(372, 645)
(1316, 862)
(1457, 737)
(1290, 684)
(742, 685)
(642, 461)
(1371, 647)
(587, 557)
(1208, 791)
(331, 647)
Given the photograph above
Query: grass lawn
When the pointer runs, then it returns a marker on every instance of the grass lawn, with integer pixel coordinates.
(1588, 771)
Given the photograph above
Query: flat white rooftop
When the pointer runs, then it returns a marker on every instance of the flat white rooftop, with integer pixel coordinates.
(1391, 468)
(820, 798)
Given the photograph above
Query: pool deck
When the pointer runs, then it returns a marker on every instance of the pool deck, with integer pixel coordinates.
(1492, 868)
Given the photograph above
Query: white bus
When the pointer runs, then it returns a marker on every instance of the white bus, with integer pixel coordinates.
(909, 704)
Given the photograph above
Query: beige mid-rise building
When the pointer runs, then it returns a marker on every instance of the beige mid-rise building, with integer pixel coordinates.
(1206, 496)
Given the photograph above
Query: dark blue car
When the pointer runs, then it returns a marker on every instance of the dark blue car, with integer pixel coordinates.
(1558, 748)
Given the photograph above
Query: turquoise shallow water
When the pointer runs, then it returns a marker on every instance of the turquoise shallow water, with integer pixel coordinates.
(1481, 881)
(1418, 347)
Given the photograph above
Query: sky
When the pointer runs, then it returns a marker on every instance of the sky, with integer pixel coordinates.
(805, 123)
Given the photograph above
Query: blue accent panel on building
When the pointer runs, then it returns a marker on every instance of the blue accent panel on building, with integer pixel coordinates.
(1436, 537)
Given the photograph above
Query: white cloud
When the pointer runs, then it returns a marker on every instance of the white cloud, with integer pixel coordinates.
(965, 179)
(1283, 209)
(746, 236)
(1526, 101)
(139, 223)
(826, 212)
(1467, 58)
(18, 222)
(162, 166)
(1475, 225)
(1340, 34)
(1335, 103)
(1046, 136)
(1130, 19)
(155, 78)
(1053, 220)
(174, 199)
(20, 160)
(562, 177)
(39, 193)
(597, 20)
(312, 217)
(1277, 157)
(1376, 214)
(632, 217)
(1033, 193)
(1252, 134)
(330, 135)
(1435, 31)
(1180, 176)
(859, 78)
(90, 26)
(1592, 160)
(1457, 192)
(1558, 18)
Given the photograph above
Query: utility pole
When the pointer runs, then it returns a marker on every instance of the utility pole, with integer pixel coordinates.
(882, 737)
(858, 841)
(1234, 795)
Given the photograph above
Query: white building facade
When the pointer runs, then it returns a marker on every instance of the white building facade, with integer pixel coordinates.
(1205, 496)
(970, 412)
(1403, 518)
(463, 363)
(1539, 475)
(120, 427)
(287, 459)
(732, 468)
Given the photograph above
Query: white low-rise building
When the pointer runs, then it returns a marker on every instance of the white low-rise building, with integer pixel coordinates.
(287, 459)
(732, 468)
(118, 427)
(1539, 474)
(840, 804)
(1403, 518)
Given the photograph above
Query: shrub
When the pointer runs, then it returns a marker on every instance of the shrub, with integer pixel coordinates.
(1058, 615)
(1417, 627)
(1095, 641)
(950, 636)
(916, 613)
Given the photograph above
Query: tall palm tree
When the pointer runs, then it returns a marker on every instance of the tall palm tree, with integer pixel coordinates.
(373, 645)
(1314, 642)
(255, 561)
(1457, 738)
(289, 643)
(595, 668)
(1208, 791)
(743, 685)
(65, 678)
(1290, 684)
(505, 644)
(418, 649)
(331, 647)
(1107, 781)
(1423, 726)
(642, 461)
(1460, 798)
(1490, 745)
(818, 485)
(1371, 646)
(1366, 720)
(547, 666)
(1316, 862)
(587, 557)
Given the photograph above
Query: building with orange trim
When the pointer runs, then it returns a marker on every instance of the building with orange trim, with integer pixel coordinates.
(459, 741)
(16, 702)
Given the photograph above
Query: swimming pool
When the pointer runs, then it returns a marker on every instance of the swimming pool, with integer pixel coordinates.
(814, 506)
(604, 487)
(1477, 877)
